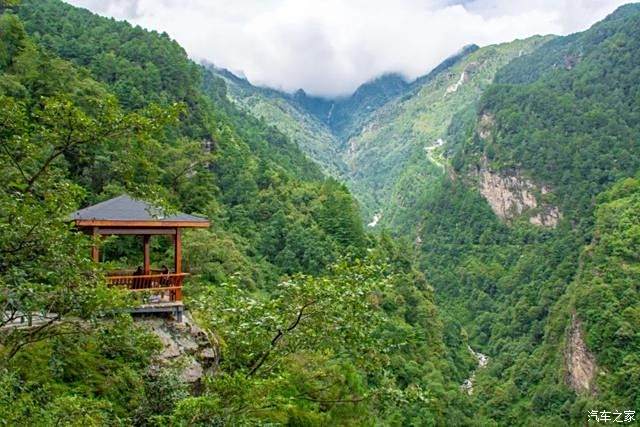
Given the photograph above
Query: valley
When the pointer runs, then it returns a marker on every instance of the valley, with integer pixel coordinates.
(457, 249)
(488, 137)
(377, 145)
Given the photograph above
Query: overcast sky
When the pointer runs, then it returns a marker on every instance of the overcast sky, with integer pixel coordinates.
(329, 47)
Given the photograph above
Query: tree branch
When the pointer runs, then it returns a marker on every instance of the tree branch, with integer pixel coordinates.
(15, 162)
(277, 338)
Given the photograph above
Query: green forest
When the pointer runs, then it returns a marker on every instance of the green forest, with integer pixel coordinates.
(315, 318)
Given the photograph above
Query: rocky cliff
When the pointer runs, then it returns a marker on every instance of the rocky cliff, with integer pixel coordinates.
(192, 349)
(510, 195)
(580, 364)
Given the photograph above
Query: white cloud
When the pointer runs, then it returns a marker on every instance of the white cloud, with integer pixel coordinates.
(329, 47)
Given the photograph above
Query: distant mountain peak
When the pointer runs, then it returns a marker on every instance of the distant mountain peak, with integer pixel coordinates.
(300, 93)
(390, 75)
(624, 11)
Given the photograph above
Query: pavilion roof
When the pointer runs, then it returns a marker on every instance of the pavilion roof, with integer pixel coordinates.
(124, 210)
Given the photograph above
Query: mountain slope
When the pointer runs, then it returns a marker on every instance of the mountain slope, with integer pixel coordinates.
(523, 239)
(382, 140)
(319, 126)
(569, 121)
(521, 140)
(304, 308)
(395, 154)
(525, 216)
(345, 115)
(247, 173)
(311, 134)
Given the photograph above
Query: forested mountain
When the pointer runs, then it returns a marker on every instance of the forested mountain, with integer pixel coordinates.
(565, 116)
(384, 139)
(397, 153)
(319, 126)
(311, 134)
(534, 223)
(93, 108)
(245, 162)
(500, 165)
(508, 183)
(345, 115)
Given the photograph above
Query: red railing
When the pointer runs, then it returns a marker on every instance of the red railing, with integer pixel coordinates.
(166, 286)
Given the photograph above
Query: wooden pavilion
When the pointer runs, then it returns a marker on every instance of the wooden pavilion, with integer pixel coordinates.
(124, 215)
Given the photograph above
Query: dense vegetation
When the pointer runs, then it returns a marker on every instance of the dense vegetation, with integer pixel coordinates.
(88, 112)
(311, 134)
(563, 117)
(244, 175)
(375, 139)
(321, 127)
(605, 293)
(318, 322)
(397, 155)
(571, 119)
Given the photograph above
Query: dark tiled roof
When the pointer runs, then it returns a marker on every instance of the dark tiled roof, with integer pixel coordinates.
(124, 208)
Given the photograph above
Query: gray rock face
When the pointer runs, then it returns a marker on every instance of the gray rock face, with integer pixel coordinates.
(187, 345)
(579, 361)
(192, 372)
(485, 125)
(510, 195)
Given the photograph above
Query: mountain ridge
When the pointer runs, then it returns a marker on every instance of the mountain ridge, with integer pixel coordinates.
(369, 95)
(512, 171)
(502, 289)
(305, 118)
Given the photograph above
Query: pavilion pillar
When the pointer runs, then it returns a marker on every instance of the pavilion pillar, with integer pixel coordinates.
(146, 245)
(177, 258)
(95, 251)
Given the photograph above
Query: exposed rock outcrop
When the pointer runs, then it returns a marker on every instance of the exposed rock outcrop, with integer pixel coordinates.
(510, 195)
(186, 344)
(579, 361)
(570, 61)
(485, 125)
(548, 216)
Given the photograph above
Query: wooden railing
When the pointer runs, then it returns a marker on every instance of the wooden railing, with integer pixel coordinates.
(168, 287)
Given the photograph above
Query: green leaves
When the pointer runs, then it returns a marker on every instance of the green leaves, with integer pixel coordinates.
(47, 149)
(308, 334)
(362, 339)
(606, 295)
(12, 35)
(335, 313)
(273, 342)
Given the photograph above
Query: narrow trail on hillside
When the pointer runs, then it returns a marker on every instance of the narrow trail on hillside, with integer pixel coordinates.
(430, 151)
